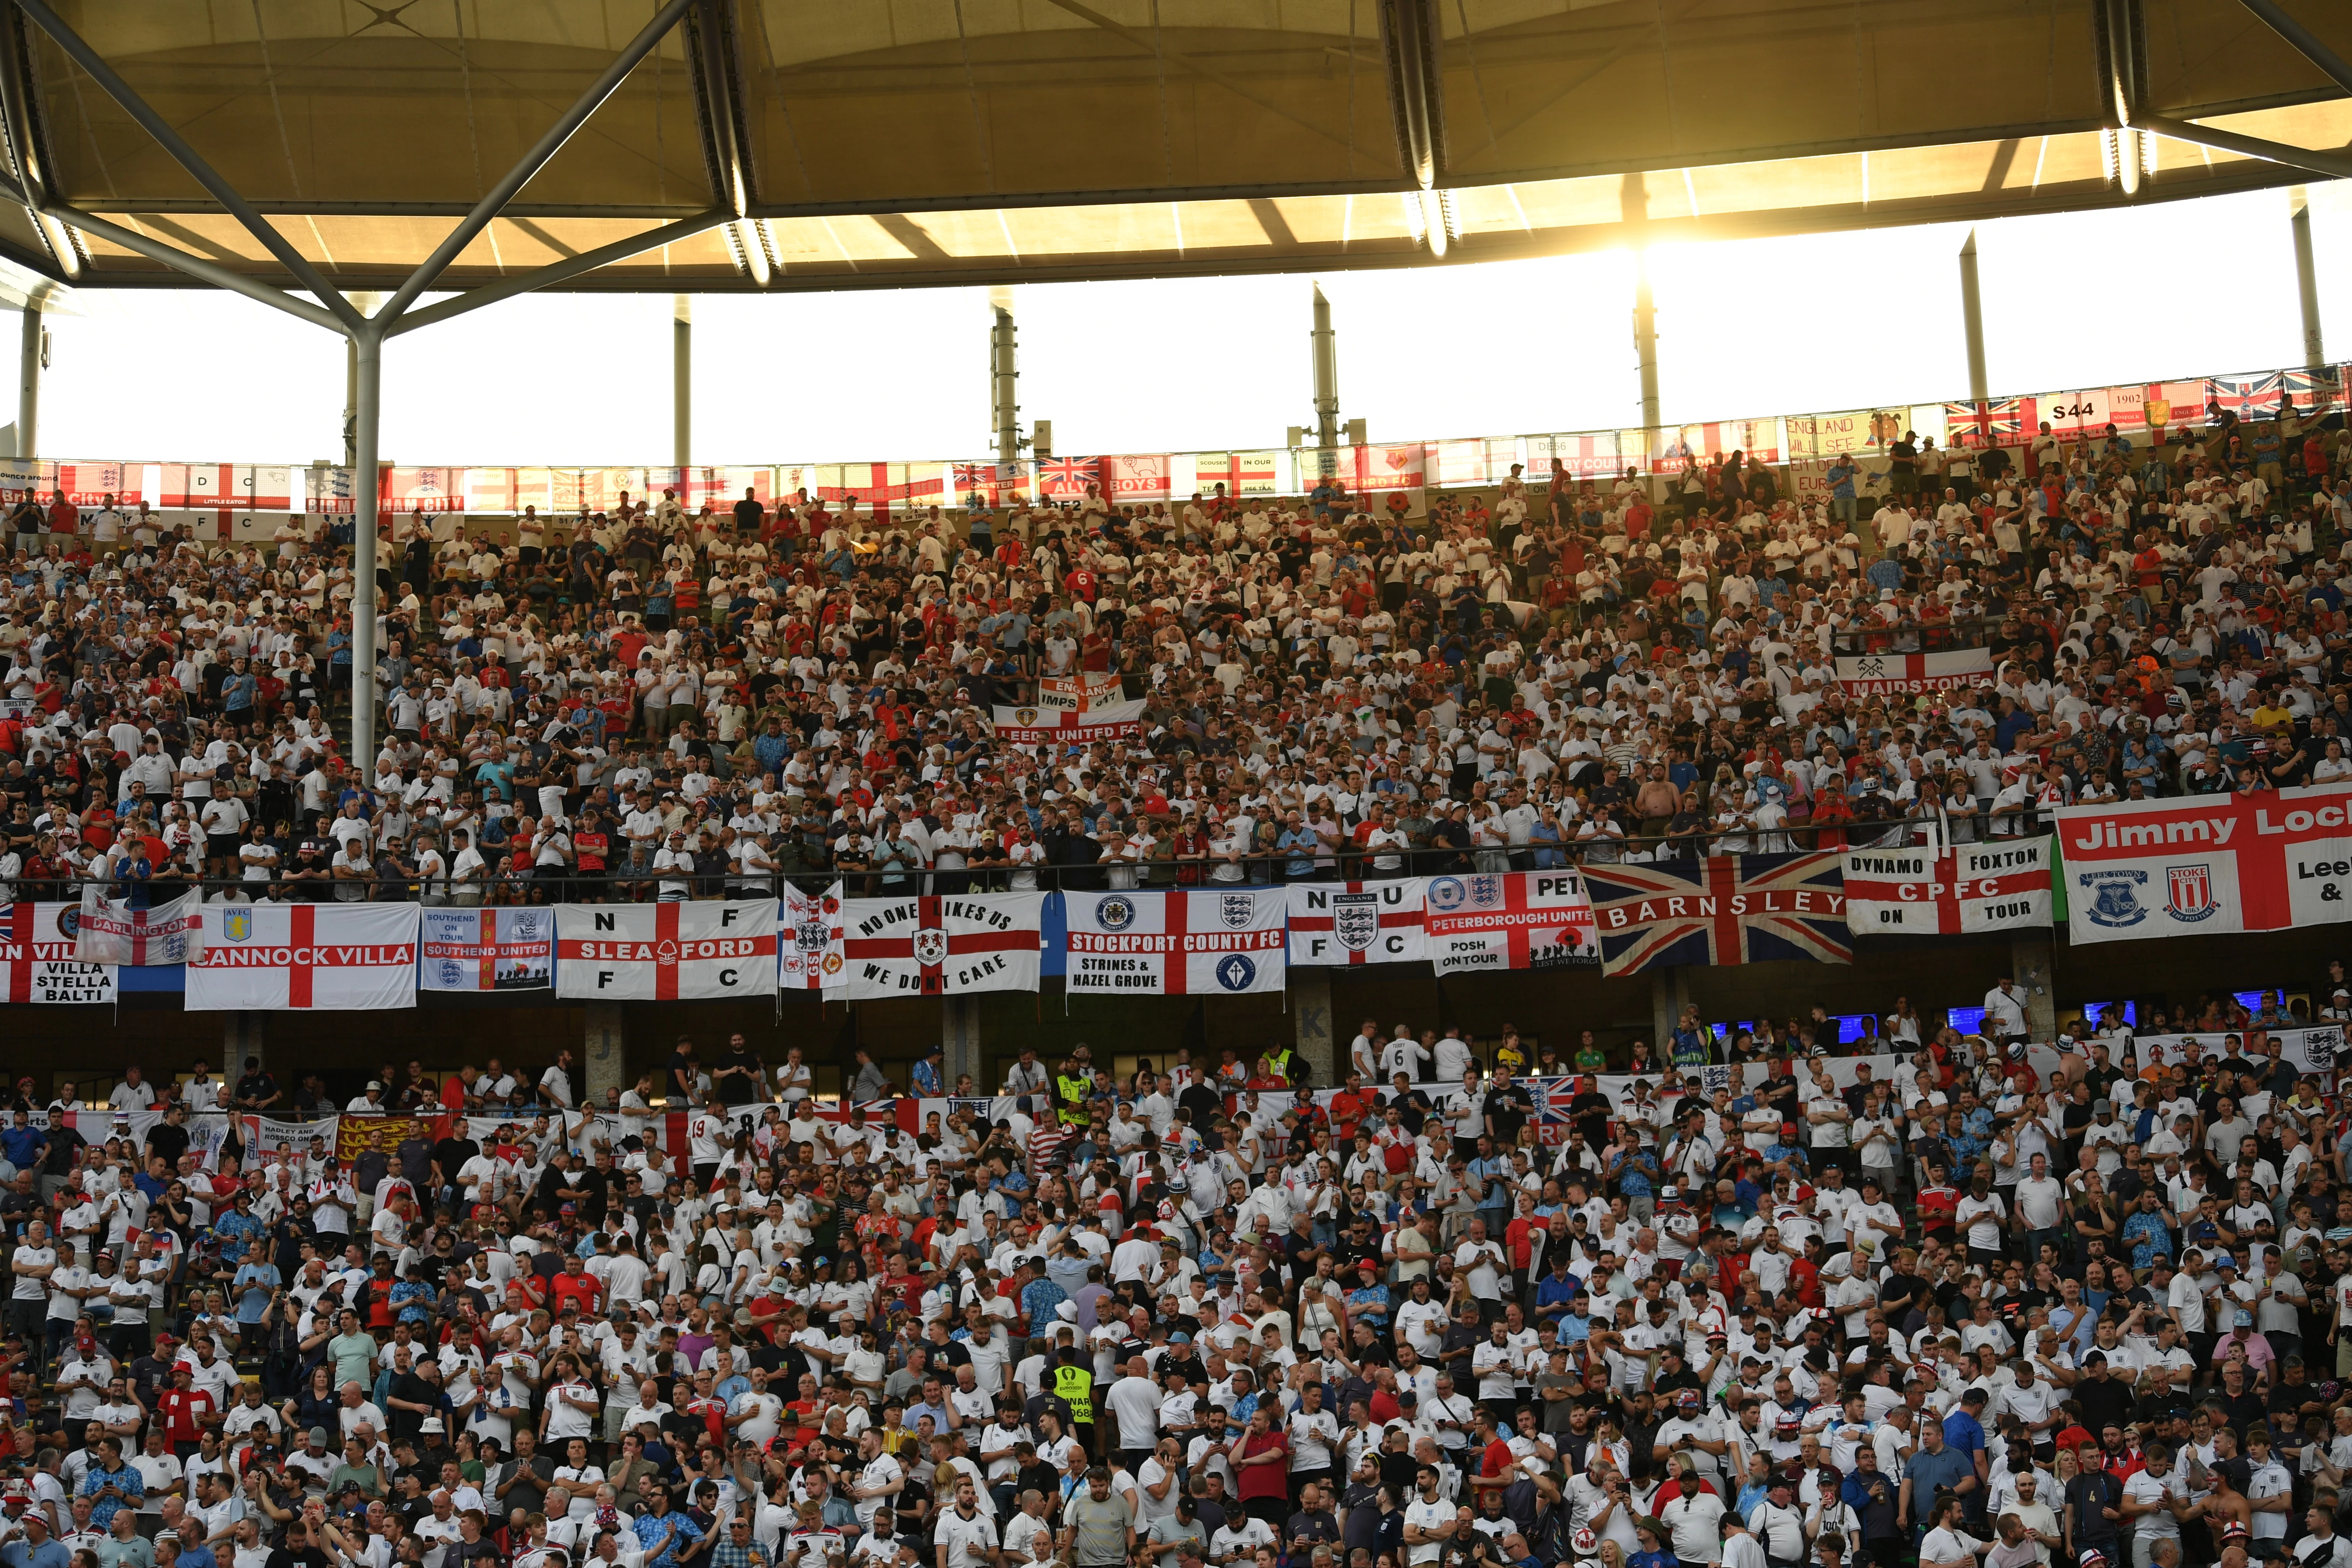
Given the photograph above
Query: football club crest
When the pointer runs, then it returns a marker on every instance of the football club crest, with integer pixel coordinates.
(2114, 897)
(930, 947)
(1356, 920)
(2191, 890)
(1235, 972)
(1024, 717)
(812, 935)
(1114, 913)
(237, 924)
(1446, 894)
(2320, 1046)
(1238, 911)
(1486, 892)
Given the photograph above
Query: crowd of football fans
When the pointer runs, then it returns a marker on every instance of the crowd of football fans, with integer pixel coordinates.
(1761, 1304)
(653, 703)
(1955, 1313)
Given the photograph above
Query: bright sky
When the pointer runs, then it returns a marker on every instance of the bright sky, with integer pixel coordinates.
(1784, 326)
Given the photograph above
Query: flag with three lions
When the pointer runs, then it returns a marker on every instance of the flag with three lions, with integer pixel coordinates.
(1220, 942)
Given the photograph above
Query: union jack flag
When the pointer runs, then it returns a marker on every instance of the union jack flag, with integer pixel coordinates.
(2247, 396)
(1987, 424)
(2317, 390)
(1553, 1097)
(1727, 909)
(1067, 476)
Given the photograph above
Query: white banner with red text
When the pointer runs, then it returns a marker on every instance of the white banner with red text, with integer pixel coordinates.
(2207, 865)
(665, 952)
(2000, 885)
(328, 957)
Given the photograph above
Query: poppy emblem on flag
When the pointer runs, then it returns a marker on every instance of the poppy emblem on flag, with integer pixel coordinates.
(238, 925)
(930, 947)
(1356, 920)
(2192, 891)
(1238, 911)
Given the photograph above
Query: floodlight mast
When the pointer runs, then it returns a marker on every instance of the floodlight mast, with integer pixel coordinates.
(345, 315)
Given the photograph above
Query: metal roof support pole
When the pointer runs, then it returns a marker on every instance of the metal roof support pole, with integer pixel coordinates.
(1645, 339)
(33, 360)
(1004, 380)
(2306, 277)
(545, 148)
(2302, 40)
(681, 379)
(1326, 344)
(1634, 206)
(1972, 321)
(367, 357)
(2336, 165)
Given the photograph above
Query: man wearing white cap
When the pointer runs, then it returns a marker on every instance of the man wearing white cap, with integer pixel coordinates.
(33, 1546)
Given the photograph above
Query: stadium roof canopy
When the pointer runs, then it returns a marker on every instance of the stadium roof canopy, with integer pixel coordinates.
(827, 144)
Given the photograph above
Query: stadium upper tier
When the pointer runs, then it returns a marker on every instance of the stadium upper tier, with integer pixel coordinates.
(763, 143)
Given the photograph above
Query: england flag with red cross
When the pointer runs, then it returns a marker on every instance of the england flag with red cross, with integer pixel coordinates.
(36, 957)
(665, 952)
(1218, 942)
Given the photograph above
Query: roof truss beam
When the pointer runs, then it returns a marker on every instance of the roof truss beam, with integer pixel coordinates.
(78, 50)
(545, 148)
(2301, 39)
(28, 143)
(2336, 164)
